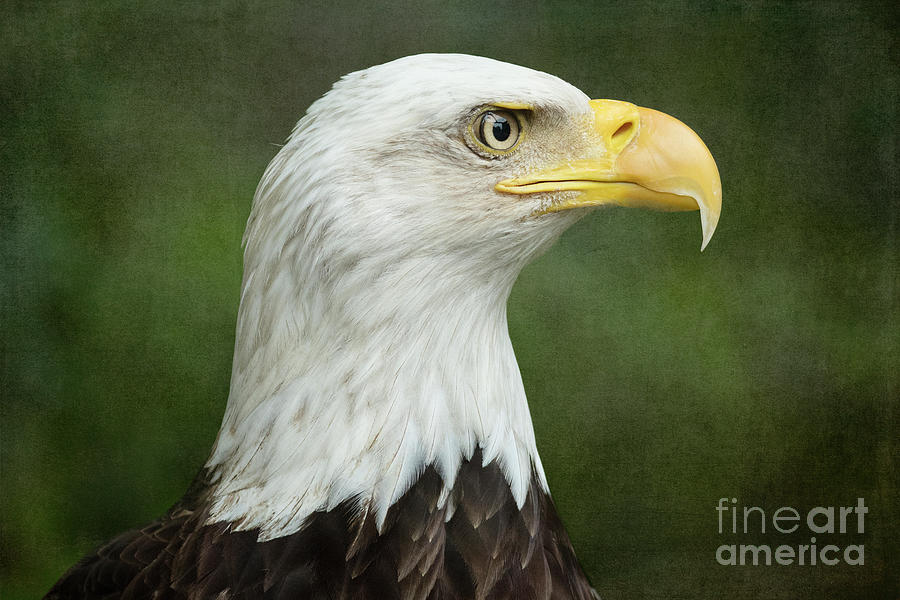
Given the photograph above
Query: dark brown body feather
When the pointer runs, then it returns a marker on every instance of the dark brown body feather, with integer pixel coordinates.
(487, 549)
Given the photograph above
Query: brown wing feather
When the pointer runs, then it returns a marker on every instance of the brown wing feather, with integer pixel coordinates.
(487, 549)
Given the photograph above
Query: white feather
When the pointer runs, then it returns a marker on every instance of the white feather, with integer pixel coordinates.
(372, 336)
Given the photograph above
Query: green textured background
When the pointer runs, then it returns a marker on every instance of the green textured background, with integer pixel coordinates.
(766, 368)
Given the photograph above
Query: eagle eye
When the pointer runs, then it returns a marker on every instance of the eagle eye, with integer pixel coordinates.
(497, 129)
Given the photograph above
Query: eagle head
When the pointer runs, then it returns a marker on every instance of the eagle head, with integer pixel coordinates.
(382, 245)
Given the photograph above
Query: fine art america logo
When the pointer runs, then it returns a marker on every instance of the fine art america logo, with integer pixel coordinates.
(825, 521)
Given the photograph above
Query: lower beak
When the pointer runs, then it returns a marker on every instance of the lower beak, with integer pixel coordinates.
(648, 159)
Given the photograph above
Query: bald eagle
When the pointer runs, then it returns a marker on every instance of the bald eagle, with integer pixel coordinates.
(377, 441)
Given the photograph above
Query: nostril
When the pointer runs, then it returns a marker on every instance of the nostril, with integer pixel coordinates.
(624, 130)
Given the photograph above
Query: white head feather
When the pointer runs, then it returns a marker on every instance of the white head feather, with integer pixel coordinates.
(372, 336)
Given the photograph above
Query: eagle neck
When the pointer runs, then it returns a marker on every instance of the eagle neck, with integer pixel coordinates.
(352, 393)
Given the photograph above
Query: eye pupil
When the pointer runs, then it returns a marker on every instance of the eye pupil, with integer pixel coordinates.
(501, 129)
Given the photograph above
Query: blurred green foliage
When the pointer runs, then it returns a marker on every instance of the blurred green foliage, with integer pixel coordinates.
(661, 379)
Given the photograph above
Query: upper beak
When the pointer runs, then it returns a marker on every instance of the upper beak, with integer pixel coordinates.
(647, 159)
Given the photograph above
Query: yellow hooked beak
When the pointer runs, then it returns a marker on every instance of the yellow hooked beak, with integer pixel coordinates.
(649, 159)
